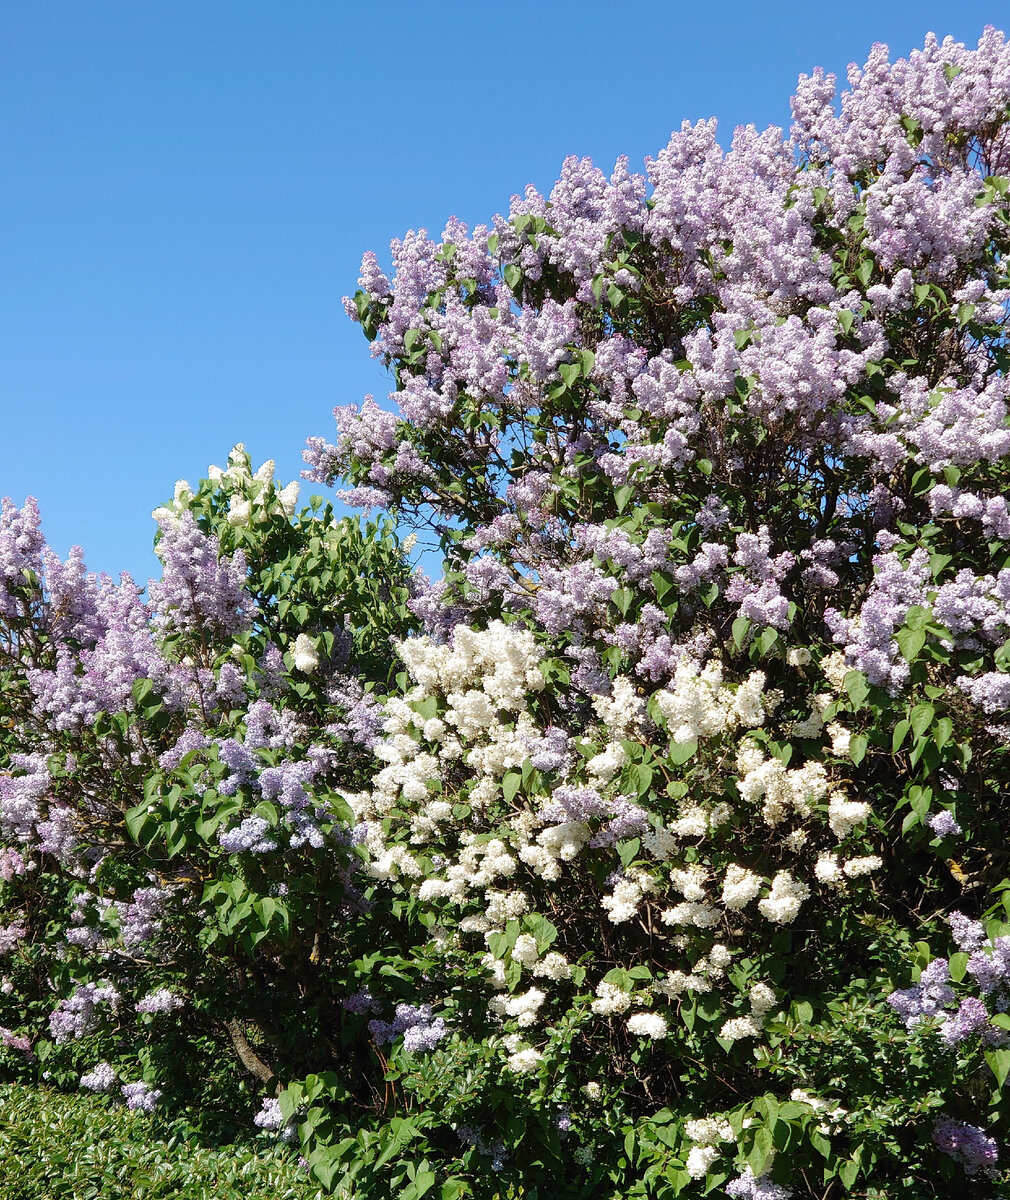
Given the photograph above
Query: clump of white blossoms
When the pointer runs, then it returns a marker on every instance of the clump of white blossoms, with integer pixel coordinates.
(305, 654)
(782, 904)
(762, 1001)
(740, 887)
(648, 1024)
(610, 999)
(706, 1133)
(700, 705)
(779, 789)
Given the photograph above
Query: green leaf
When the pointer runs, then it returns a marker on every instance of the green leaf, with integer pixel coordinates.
(761, 1150)
(680, 752)
(819, 1142)
(848, 1172)
(856, 688)
(622, 495)
(570, 372)
(621, 599)
(325, 1163)
(141, 825)
(958, 966)
(910, 642)
(510, 784)
(921, 717)
(857, 747)
(999, 1064)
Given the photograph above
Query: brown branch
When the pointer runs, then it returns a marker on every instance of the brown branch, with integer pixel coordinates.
(246, 1054)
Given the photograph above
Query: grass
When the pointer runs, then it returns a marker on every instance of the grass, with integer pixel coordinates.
(59, 1147)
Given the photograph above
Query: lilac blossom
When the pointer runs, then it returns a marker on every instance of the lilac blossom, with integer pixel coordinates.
(990, 691)
(971, 1016)
(967, 934)
(926, 999)
(966, 1144)
(200, 590)
(140, 1096)
(869, 641)
(249, 835)
(187, 742)
(17, 1041)
(163, 1000)
(749, 1187)
(80, 1013)
(943, 824)
(270, 1119)
(420, 1031)
(10, 936)
(101, 1078)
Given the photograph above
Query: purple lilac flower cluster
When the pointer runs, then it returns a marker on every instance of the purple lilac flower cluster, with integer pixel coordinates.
(79, 1013)
(414, 1021)
(140, 1096)
(967, 1144)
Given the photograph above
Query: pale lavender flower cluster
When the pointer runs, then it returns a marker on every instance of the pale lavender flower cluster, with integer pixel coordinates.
(928, 998)
(967, 934)
(250, 835)
(22, 794)
(969, 1145)
(21, 543)
(621, 816)
(10, 935)
(360, 1002)
(943, 824)
(992, 512)
(163, 1000)
(751, 1187)
(187, 742)
(79, 1013)
(869, 640)
(116, 649)
(140, 919)
(287, 783)
(200, 591)
(16, 1041)
(12, 864)
(140, 1096)
(975, 606)
(573, 597)
(990, 691)
(552, 751)
(270, 1119)
(971, 1016)
(414, 1021)
(363, 715)
(756, 585)
(101, 1078)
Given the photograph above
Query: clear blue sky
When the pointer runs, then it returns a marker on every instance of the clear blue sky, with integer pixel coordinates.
(186, 188)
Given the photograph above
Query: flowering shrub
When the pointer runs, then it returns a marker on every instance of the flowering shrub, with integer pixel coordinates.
(627, 858)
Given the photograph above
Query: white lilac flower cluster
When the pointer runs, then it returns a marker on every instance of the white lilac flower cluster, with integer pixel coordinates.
(762, 1001)
(707, 1133)
(468, 721)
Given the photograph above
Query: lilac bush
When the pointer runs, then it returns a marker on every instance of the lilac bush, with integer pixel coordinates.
(617, 860)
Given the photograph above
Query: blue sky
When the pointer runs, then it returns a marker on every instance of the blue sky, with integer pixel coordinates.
(186, 190)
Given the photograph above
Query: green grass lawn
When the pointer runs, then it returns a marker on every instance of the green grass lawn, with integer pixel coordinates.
(58, 1147)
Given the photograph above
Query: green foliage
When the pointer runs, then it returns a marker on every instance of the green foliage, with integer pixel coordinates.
(56, 1147)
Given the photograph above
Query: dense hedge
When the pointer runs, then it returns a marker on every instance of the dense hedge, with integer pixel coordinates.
(58, 1147)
